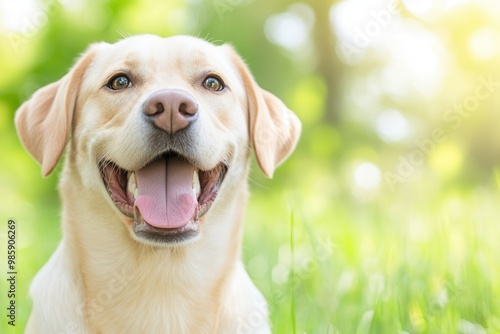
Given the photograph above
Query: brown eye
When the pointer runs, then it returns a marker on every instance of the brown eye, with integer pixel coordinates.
(213, 83)
(119, 82)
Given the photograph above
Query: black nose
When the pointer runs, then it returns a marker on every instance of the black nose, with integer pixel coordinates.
(171, 110)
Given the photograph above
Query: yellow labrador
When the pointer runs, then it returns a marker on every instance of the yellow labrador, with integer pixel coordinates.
(158, 134)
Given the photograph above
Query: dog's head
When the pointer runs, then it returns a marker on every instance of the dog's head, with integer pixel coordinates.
(159, 126)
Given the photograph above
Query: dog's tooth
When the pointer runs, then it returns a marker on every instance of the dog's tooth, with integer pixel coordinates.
(196, 184)
(132, 184)
(136, 193)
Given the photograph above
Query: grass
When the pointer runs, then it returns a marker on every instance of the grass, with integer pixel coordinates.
(404, 262)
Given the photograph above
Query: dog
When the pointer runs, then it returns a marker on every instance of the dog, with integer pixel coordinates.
(158, 135)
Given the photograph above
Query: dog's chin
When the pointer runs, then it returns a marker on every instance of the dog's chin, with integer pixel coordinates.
(144, 232)
(145, 195)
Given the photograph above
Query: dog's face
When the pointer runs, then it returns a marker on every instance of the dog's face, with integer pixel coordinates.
(159, 128)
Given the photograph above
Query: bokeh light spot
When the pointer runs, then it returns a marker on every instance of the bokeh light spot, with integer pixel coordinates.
(447, 160)
(484, 44)
(367, 176)
(392, 126)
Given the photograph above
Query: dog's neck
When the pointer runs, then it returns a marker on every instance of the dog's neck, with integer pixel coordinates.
(178, 285)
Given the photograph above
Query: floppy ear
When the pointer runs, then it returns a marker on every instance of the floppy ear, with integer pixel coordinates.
(44, 121)
(274, 129)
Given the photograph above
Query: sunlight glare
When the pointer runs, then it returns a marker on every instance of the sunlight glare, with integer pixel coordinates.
(16, 16)
(367, 176)
(418, 64)
(484, 44)
(418, 6)
(291, 29)
(392, 126)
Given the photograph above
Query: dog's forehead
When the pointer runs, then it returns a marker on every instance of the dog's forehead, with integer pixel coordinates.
(181, 52)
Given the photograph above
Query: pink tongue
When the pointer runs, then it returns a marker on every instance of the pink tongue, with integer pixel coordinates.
(165, 193)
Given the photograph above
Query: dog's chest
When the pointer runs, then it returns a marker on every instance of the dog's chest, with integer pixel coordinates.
(156, 295)
(155, 309)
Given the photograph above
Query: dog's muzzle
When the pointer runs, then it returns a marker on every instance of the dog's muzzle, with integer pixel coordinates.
(167, 196)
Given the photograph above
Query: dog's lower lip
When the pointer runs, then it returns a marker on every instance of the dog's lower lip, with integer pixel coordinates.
(149, 233)
(140, 228)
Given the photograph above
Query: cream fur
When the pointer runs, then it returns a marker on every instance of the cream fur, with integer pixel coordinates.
(103, 280)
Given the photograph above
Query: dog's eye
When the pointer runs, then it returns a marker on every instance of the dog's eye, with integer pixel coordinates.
(213, 83)
(119, 82)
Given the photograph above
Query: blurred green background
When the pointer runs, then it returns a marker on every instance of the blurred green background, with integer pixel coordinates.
(384, 220)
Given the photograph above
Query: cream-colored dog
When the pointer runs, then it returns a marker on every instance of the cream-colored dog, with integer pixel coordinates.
(158, 134)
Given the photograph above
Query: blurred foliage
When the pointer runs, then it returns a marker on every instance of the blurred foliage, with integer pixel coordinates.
(394, 184)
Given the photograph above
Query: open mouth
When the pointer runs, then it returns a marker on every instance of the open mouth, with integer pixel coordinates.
(166, 197)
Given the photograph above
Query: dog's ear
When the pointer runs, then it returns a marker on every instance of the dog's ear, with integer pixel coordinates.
(44, 121)
(273, 128)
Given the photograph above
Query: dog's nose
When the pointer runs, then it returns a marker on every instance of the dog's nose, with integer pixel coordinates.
(171, 110)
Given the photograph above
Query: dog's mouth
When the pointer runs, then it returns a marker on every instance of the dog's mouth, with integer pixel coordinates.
(166, 197)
